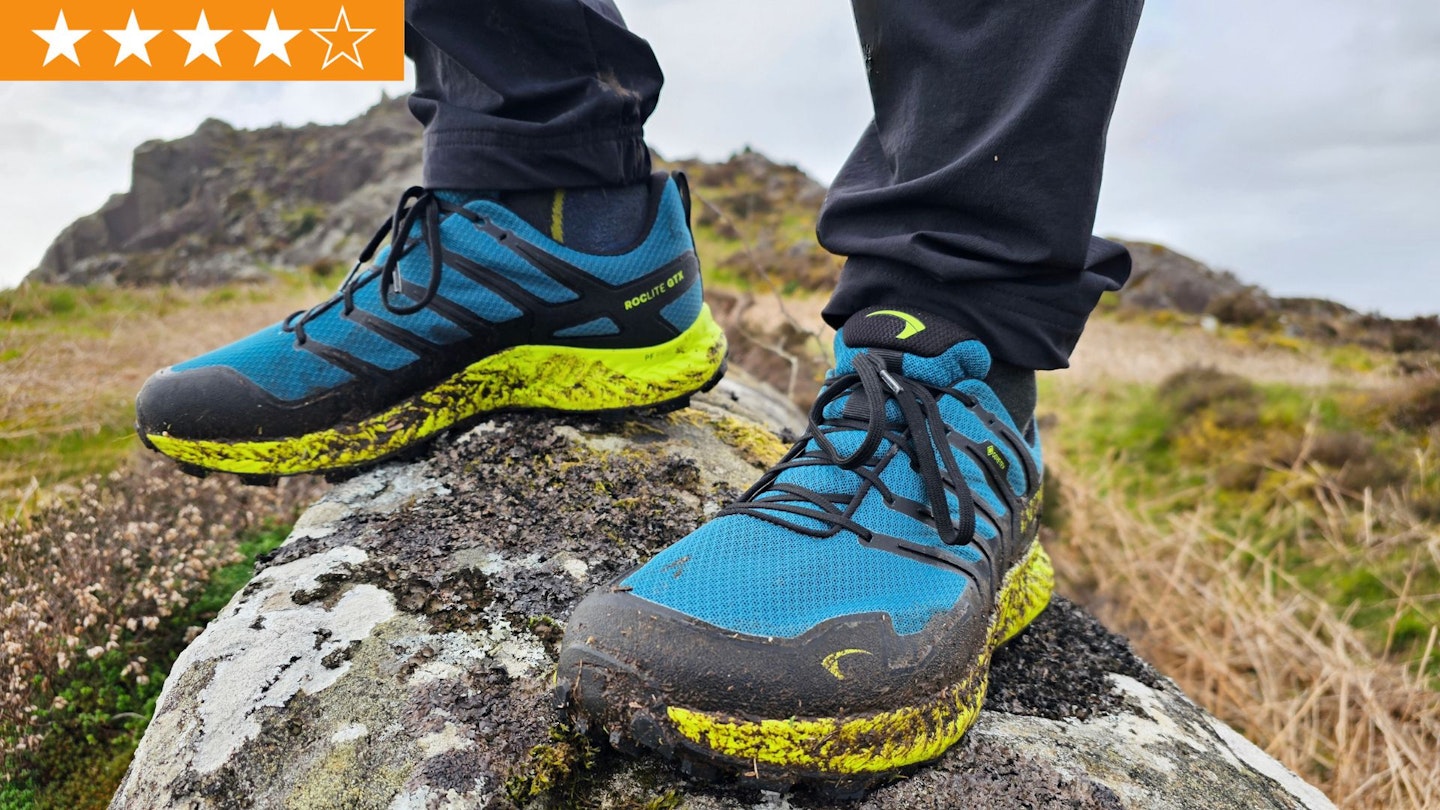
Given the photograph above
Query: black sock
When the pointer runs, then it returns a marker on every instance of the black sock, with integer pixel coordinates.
(592, 219)
(1016, 388)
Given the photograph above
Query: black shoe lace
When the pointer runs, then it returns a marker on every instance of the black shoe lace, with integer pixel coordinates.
(921, 436)
(416, 205)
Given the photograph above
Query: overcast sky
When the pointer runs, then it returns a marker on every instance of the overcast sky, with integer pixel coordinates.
(1295, 143)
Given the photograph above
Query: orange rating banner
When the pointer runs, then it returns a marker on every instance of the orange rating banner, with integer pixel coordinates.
(202, 40)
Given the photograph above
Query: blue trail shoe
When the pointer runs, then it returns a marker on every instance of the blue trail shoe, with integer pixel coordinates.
(472, 311)
(836, 623)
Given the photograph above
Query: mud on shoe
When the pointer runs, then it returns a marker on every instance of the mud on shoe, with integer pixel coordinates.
(836, 623)
(470, 310)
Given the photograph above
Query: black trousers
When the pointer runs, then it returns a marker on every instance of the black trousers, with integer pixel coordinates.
(971, 195)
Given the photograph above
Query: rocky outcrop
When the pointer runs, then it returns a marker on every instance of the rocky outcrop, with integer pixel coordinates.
(222, 203)
(1167, 280)
(756, 220)
(1162, 278)
(397, 650)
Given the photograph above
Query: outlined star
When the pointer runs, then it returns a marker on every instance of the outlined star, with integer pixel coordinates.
(132, 40)
(272, 39)
(61, 40)
(203, 39)
(348, 38)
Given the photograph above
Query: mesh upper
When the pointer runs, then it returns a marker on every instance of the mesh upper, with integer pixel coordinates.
(737, 572)
(747, 575)
(359, 341)
(684, 310)
(271, 360)
(596, 328)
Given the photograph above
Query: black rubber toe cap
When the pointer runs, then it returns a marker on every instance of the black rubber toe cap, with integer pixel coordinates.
(217, 402)
(844, 666)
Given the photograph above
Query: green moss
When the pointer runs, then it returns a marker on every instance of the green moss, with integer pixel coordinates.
(666, 801)
(554, 770)
(16, 797)
(302, 220)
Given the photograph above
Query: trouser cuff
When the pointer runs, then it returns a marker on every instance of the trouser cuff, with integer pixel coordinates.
(1033, 322)
(504, 162)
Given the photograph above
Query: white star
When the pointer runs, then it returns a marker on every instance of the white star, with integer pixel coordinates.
(346, 37)
(203, 39)
(61, 40)
(272, 41)
(132, 41)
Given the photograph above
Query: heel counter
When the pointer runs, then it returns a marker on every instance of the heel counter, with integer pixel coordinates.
(682, 312)
(682, 184)
(674, 214)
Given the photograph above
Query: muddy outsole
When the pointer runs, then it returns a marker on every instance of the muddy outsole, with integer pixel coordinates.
(423, 447)
(648, 735)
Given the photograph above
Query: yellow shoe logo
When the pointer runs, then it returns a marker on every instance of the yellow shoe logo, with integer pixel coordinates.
(913, 325)
(832, 661)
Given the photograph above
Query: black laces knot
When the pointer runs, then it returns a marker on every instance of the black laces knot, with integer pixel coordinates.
(920, 434)
(417, 206)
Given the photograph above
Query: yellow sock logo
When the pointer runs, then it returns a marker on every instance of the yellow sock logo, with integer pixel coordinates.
(913, 325)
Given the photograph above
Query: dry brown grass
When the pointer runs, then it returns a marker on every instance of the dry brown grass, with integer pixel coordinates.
(69, 379)
(1223, 619)
(1142, 352)
(1222, 611)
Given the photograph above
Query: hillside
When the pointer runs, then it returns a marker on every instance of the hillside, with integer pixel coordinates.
(1163, 279)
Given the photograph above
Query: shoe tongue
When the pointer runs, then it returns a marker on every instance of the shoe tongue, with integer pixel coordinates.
(914, 343)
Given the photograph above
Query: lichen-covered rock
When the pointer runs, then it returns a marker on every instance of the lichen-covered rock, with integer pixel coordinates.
(397, 651)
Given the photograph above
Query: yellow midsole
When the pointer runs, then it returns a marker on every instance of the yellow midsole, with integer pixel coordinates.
(889, 740)
(524, 377)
